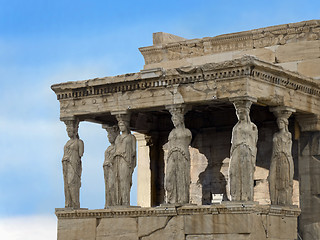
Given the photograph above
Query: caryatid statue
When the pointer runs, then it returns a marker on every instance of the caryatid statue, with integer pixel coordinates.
(109, 167)
(177, 175)
(72, 166)
(243, 153)
(124, 161)
(282, 167)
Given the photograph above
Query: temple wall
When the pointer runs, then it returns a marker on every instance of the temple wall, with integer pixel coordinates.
(222, 222)
(309, 168)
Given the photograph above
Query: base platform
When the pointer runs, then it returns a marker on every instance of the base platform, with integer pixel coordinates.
(229, 220)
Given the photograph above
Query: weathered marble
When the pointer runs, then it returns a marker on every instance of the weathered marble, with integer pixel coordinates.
(243, 153)
(124, 161)
(281, 168)
(72, 166)
(224, 222)
(309, 169)
(177, 176)
(109, 168)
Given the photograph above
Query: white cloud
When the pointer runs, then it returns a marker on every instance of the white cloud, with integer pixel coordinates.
(37, 227)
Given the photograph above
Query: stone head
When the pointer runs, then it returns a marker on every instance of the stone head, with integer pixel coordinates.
(283, 123)
(72, 128)
(242, 114)
(124, 123)
(243, 109)
(113, 132)
(177, 117)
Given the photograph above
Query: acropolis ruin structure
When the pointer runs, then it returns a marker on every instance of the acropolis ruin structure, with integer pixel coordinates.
(235, 116)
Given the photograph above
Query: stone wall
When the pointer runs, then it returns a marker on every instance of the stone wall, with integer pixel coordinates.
(309, 168)
(223, 222)
(295, 47)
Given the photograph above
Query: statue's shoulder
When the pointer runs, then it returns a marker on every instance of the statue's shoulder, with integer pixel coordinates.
(254, 127)
(188, 132)
(132, 137)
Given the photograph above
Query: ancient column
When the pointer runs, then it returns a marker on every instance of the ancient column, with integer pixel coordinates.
(144, 171)
(71, 164)
(281, 167)
(243, 152)
(124, 160)
(177, 173)
(111, 194)
(309, 176)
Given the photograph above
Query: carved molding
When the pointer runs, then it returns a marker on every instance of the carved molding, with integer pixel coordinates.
(259, 38)
(282, 111)
(240, 208)
(247, 66)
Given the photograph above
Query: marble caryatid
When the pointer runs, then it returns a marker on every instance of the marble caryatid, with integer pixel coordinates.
(282, 167)
(109, 167)
(243, 153)
(72, 166)
(177, 174)
(124, 161)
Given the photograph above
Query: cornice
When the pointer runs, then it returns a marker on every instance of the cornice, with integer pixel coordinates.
(247, 66)
(233, 208)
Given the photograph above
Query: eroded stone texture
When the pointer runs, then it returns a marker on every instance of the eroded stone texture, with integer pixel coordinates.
(177, 176)
(172, 229)
(309, 168)
(243, 153)
(117, 229)
(226, 221)
(287, 44)
(77, 229)
(109, 166)
(281, 168)
(124, 161)
(72, 166)
(219, 237)
(218, 223)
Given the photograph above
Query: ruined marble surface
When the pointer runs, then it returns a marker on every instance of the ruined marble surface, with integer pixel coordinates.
(281, 168)
(309, 169)
(243, 153)
(109, 167)
(124, 161)
(177, 175)
(294, 46)
(223, 222)
(72, 165)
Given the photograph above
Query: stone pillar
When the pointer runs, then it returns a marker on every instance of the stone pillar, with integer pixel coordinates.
(309, 175)
(243, 152)
(282, 167)
(124, 159)
(110, 166)
(177, 164)
(144, 171)
(72, 165)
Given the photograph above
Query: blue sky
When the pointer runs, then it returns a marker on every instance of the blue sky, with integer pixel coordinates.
(45, 42)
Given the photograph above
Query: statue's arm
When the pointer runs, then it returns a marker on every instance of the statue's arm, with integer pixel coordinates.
(81, 148)
(133, 155)
(64, 158)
